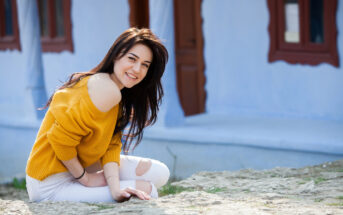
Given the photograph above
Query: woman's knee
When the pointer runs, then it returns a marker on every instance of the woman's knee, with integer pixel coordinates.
(162, 172)
(143, 166)
(154, 171)
(147, 169)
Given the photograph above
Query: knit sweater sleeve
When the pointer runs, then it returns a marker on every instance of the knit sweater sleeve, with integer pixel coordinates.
(68, 128)
(113, 151)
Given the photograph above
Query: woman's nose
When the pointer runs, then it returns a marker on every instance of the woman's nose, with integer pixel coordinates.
(136, 67)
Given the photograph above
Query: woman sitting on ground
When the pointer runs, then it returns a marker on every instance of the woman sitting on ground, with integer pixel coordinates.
(76, 155)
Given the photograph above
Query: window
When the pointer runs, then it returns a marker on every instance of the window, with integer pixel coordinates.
(303, 31)
(9, 33)
(55, 25)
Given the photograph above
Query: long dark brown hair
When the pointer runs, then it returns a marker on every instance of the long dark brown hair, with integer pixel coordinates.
(139, 104)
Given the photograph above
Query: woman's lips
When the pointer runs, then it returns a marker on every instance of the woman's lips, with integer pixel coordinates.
(131, 76)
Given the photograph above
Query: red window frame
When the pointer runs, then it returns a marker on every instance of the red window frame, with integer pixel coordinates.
(11, 42)
(304, 52)
(51, 42)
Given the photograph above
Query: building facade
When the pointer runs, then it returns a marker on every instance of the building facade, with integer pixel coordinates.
(249, 84)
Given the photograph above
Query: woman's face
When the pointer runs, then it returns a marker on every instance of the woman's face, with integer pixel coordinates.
(131, 69)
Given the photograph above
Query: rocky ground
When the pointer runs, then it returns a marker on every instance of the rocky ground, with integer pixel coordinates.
(310, 190)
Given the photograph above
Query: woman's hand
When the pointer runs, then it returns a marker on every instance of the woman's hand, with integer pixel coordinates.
(88, 179)
(124, 195)
(111, 170)
(96, 179)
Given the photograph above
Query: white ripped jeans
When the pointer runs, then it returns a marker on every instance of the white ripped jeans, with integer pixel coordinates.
(63, 186)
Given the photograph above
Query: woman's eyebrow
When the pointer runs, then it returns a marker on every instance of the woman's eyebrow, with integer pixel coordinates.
(138, 57)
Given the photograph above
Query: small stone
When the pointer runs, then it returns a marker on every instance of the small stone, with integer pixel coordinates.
(216, 203)
(307, 187)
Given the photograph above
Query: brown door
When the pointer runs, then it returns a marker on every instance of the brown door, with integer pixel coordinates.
(139, 13)
(189, 56)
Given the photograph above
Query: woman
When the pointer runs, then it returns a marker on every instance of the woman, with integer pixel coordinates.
(76, 155)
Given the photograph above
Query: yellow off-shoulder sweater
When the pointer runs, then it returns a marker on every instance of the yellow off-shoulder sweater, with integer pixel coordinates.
(74, 126)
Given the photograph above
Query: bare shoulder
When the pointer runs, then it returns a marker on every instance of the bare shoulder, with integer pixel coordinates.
(103, 92)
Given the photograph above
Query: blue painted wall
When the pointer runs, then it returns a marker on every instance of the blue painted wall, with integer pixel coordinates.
(240, 80)
(12, 82)
(95, 26)
(162, 24)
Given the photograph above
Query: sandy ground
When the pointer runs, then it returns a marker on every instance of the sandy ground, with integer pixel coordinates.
(310, 190)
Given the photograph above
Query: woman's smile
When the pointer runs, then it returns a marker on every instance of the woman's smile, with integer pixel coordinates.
(131, 68)
(131, 76)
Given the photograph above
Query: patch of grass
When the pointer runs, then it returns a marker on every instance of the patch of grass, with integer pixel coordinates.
(319, 180)
(104, 207)
(307, 179)
(336, 204)
(216, 189)
(316, 180)
(19, 183)
(169, 189)
(340, 197)
(172, 189)
(304, 181)
(246, 190)
(100, 206)
(318, 200)
(301, 182)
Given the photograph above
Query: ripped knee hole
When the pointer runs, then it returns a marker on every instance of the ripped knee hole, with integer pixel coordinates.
(143, 166)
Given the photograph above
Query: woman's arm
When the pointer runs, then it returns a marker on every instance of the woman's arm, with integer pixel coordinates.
(97, 179)
(88, 179)
(111, 170)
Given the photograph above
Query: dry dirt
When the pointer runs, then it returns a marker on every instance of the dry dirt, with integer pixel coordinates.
(309, 190)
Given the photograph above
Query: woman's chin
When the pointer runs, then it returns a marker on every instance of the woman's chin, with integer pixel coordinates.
(130, 85)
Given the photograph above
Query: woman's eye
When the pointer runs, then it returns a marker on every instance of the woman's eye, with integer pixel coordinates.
(146, 65)
(132, 58)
